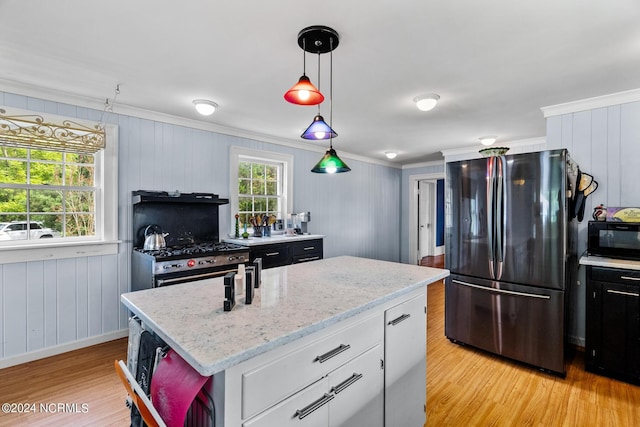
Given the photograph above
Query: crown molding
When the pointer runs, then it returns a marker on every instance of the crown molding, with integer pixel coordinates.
(423, 164)
(129, 110)
(592, 103)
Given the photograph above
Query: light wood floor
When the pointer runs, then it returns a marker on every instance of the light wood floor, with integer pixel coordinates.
(465, 387)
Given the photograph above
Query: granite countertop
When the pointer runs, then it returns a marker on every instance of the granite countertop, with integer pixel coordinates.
(293, 301)
(598, 261)
(276, 238)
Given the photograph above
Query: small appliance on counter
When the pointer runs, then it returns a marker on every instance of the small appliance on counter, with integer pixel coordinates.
(298, 222)
(618, 240)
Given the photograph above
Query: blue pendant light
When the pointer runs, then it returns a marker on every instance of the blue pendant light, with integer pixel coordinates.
(319, 129)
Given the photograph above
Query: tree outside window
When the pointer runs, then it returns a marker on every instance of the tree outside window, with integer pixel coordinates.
(53, 189)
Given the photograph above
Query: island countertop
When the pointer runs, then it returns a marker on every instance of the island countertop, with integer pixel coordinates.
(292, 302)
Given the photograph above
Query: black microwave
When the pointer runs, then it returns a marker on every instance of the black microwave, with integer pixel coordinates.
(614, 239)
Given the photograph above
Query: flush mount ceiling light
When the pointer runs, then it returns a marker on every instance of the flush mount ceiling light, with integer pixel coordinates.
(391, 154)
(426, 102)
(487, 140)
(204, 107)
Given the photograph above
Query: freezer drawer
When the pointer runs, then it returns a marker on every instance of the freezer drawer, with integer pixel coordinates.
(519, 322)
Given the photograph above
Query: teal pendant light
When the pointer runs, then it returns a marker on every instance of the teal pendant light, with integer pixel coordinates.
(330, 163)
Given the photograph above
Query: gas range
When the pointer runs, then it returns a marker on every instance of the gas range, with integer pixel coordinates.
(195, 257)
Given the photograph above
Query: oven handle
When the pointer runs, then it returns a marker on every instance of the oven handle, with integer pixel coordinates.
(161, 282)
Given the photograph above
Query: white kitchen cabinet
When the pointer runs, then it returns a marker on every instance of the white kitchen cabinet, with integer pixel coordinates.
(350, 396)
(405, 363)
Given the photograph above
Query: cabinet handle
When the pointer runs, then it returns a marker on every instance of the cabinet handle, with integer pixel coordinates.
(313, 258)
(309, 248)
(637, 279)
(328, 355)
(630, 294)
(346, 383)
(399, 319)
(301, 413)
(272, 253)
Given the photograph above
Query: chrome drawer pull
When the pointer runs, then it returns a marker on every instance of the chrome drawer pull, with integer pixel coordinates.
(301, 413)
(328, 355)
(629, 294)
(312, 258)
(346, 383)
(399, 319)
(272, 253)
(637, 279)
(309, 248)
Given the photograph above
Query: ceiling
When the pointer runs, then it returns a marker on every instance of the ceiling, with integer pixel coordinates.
(494, 63)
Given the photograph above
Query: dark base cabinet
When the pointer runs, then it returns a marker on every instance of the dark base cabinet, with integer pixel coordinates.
(279, 254)
(612, 334)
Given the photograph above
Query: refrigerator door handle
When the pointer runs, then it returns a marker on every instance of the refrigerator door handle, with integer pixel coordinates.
(500, 291)
(490, 214)
(500, 215)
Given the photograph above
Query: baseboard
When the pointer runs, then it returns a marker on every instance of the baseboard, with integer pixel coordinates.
(62, 348)
(577, 341)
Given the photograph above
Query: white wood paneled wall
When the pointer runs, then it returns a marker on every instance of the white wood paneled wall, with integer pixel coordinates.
(605, 142)
(53, 305)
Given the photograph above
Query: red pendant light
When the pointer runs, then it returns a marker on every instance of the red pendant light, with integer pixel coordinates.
(304, 93)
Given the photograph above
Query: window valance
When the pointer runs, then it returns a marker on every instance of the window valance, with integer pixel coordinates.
(33, 131)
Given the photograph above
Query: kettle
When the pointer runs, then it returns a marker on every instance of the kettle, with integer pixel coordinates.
(154, 238)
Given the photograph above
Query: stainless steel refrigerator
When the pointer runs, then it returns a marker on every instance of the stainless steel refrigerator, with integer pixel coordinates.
(507, 236)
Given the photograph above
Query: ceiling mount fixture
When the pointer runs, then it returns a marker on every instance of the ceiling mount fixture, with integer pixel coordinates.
(487, 140)
(426, 102)
(320, 39)
(391, 154)
(205, 107)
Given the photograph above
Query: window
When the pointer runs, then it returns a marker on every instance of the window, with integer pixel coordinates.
(57, 189)
(260, 184)
(47, 190)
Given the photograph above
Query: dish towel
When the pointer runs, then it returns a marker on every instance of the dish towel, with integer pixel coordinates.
(174, 386)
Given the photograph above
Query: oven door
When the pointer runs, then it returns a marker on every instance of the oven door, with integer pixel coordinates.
(191, 276)
(614, 239)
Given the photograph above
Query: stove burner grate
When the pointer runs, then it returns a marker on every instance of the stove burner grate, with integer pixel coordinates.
(208, 248)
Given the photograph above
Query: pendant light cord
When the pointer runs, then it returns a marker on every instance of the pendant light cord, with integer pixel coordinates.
(319, 81)
(331, 91)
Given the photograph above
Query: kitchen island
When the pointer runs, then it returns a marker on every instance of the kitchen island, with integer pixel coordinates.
(341, 340)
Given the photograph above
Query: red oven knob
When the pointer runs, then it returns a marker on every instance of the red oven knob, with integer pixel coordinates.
(191, 263)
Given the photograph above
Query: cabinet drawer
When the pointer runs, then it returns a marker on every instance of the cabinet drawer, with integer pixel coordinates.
(615, 275)
(307, 247)
(270, 383)
(273, 255)
(284, 414)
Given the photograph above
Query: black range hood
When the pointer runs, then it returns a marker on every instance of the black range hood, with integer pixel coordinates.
(189, 218)
(143, 196)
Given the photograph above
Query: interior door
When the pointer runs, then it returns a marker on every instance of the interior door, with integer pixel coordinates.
(426, 220)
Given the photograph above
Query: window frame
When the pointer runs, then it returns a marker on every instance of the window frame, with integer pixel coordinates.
(106, 199)
(237, 154)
